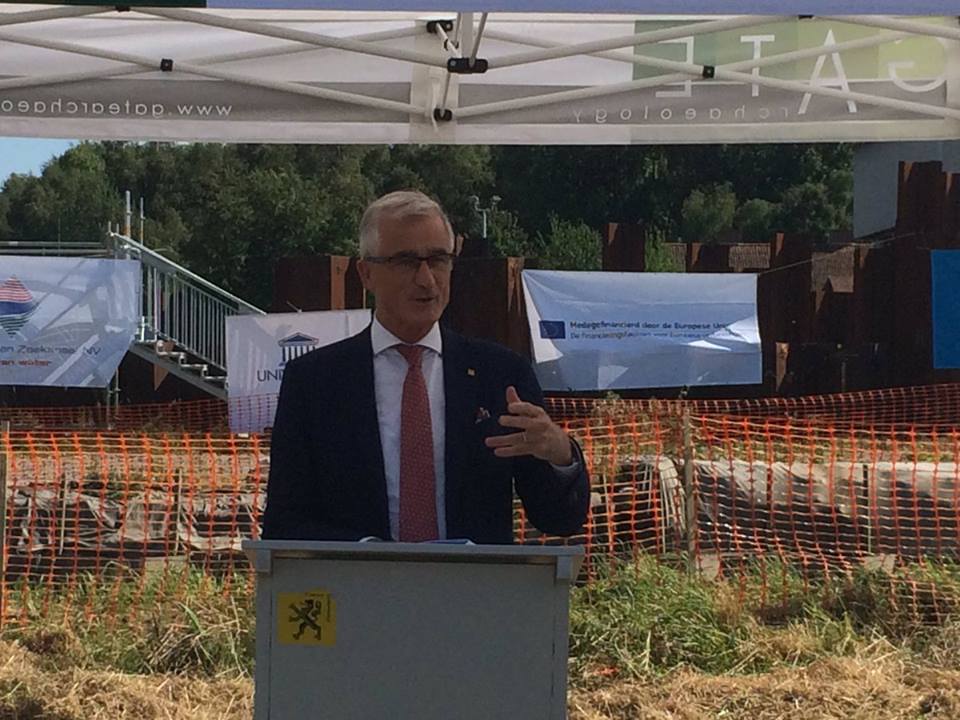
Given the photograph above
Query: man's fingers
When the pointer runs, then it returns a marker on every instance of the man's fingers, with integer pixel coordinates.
(537, 437)
(503, 441)
(524, 408)
(512, 445)
(518, 407)
(517, 421)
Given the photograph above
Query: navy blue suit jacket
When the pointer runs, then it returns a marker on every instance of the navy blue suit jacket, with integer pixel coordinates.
(327, 479)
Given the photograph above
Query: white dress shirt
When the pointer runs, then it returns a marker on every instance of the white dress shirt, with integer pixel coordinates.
(389, 372)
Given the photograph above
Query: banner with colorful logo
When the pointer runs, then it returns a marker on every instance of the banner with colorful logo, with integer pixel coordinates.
(66, 322)
(607, 330)
(260, 346)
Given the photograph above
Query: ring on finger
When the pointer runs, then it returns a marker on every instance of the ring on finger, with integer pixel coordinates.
(524, 436)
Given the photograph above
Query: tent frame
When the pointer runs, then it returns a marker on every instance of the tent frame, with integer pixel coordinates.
(457, 52)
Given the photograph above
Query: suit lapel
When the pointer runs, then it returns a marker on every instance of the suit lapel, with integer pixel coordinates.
(358, 384)
(459, 385)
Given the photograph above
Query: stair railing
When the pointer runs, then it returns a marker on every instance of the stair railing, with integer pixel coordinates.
(180, 306)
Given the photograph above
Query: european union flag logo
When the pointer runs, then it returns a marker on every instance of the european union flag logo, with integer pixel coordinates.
(553, 329)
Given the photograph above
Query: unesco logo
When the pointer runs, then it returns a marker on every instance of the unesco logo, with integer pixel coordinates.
(293, 346)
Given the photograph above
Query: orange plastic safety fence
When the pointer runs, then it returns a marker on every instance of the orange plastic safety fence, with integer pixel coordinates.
(771, 502)
(905, 407)
(120, 506)
(759, 501)
(923, 406)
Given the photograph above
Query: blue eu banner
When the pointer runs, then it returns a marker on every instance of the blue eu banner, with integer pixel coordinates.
(945, 271)
(553, 329)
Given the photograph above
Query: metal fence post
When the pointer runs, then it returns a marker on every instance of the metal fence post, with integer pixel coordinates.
(178, 510)
(689, 493)
(4, 434)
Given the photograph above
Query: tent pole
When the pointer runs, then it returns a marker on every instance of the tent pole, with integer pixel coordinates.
(52, 14)
(466, 27)
(790, 56)
(910, 26)
(685, 70)
(280, 51)
(256, 28)
(477, 39)
(293, 88)
(644, 38)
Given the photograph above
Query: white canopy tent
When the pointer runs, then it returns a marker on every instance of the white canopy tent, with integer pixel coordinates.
(510, 71)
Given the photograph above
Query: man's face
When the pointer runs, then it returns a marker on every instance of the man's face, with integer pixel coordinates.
(409, 299)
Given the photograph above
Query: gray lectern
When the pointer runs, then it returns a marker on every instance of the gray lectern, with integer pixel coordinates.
(395, 631)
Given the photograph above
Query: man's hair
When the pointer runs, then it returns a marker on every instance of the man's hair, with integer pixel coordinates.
(398, 205)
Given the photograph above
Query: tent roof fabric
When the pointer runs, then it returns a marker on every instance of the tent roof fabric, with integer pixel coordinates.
(634, 7)
(306, 75)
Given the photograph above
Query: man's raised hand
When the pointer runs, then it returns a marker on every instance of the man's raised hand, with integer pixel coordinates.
(537, 434)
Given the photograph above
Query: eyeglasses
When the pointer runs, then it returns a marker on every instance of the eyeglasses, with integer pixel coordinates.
(410, 262)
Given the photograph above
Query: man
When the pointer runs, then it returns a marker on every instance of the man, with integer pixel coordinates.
(409, 431)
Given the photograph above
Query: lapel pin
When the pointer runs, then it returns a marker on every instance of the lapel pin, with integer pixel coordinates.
(482, 414)
(471, 372)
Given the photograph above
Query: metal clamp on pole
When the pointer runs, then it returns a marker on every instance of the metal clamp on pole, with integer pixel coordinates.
(466, 66)
(166, 65)
(445, 25)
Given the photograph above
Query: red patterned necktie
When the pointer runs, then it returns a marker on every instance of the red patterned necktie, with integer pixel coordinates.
(418, 494)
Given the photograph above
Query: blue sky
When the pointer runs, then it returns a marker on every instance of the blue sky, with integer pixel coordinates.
(27, 155)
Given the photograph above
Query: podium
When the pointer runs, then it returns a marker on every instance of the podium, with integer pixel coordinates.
(398, 631)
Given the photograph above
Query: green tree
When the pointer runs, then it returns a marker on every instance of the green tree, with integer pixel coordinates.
(11, 188)
(660, 258)
(166, 232)
(839, 183)
(451, 174)
(229, 211)
(807, 210)
(70, 202)
(508, 238)
(708, 212)
(594, 185)
(757, 220)
(569, 246)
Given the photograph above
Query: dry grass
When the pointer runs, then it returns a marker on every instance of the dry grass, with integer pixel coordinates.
(647, 641)
(879, 682)
(878, 686)
(28, 691)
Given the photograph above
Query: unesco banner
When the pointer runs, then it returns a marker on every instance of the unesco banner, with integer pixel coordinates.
(260, 346)
(66, 322)
(606, 330)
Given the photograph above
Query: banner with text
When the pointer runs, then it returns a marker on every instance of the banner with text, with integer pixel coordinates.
(607, 331)
(793, 83)
(259, 347)
(66, 322)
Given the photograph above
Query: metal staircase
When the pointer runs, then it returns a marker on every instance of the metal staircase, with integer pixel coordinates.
(183, 316)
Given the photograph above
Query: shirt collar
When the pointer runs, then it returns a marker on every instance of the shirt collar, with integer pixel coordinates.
(382, 339)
